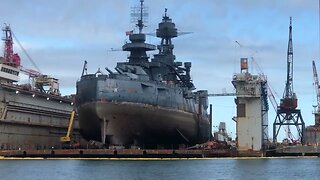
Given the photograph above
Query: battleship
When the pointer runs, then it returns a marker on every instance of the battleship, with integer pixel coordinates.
(144, 103)
(32, 115)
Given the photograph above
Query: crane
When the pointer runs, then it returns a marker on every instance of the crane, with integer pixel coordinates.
(66, 140)
(317, 88)
(289, 100)
(67, 137)
(287, 112)
(13, 59)
(9, 57)
(11, 66)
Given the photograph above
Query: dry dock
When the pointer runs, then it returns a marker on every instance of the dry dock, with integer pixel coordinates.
(160, 153)
(119, 153)
(297, 150)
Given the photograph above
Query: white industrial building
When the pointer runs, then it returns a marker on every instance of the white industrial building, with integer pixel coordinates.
(252, 109)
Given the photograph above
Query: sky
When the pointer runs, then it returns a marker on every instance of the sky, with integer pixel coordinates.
(59, 35)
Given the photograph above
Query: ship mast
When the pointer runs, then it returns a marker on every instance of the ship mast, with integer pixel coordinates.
(140, 21)
(166, 32)
(169, 70)
(137, 47)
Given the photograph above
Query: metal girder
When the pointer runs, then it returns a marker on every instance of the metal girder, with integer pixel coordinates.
(222, 94)
(289, 118)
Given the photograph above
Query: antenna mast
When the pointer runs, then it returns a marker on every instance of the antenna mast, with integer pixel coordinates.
(137, 47)
(139, 14)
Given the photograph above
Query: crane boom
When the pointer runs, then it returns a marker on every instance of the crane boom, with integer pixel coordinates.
(26, 53)
(316, 85)
(272, 98)
(289, 83)
(67, 137)
(289, 100)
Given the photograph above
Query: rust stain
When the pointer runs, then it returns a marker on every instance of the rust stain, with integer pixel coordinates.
(132, 90)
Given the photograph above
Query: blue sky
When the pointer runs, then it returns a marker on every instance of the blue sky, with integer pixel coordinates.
(59, 35)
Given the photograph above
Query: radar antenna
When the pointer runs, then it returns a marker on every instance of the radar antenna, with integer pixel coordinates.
(139, 14)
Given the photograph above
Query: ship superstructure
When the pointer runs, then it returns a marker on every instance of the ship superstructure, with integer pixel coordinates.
(144, 103)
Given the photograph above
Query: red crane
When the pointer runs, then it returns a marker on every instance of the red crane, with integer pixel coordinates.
(287, 112)
(289, 99)
(13, 59)
(43, 83)
(9, 58)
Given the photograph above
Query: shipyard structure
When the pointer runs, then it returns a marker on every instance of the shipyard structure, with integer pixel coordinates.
(35, 115)
(311, 134)
(252, 108)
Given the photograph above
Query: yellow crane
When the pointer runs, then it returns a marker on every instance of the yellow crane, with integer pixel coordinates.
(66, 139)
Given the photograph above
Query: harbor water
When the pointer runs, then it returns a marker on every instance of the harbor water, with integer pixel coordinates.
(251, 168)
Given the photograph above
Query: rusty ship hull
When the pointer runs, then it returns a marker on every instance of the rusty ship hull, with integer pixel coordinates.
(128, 123)
(126, 112)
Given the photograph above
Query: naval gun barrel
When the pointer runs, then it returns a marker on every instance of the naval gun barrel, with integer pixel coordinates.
(109, 71)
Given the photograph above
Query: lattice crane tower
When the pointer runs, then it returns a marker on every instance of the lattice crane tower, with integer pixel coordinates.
(287, 112)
